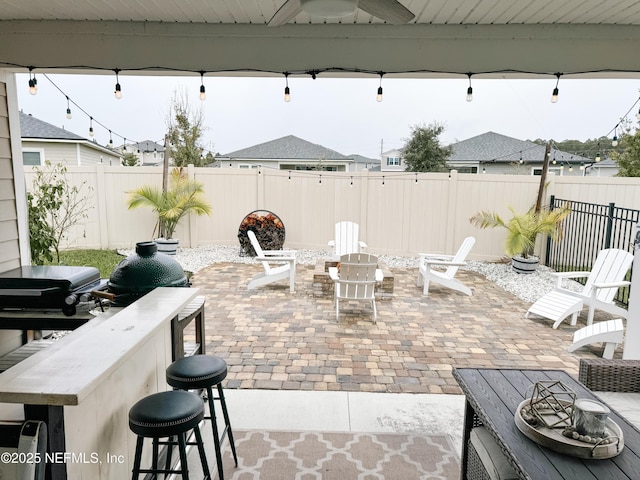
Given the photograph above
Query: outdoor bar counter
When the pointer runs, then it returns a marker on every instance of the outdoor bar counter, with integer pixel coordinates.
(85, 383)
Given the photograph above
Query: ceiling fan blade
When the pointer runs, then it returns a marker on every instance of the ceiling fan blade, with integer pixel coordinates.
(288, 10)
(390, 11)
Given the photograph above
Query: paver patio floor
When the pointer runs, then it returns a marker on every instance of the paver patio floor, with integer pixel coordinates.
(272, 339)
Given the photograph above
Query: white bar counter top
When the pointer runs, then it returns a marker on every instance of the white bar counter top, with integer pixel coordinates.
(68, 371)
(86, 382)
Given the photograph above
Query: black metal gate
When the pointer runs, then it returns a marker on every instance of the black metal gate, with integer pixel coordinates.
(587, 230)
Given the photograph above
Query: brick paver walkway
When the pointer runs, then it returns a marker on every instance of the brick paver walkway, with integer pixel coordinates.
(272, 339)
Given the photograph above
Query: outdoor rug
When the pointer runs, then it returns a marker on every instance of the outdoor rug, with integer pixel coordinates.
(340, 456)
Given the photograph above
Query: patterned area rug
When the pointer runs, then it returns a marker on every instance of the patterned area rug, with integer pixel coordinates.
(340, 456)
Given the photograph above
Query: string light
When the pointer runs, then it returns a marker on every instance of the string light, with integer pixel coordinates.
(470, 89)
(287, 92)
(118, 91)
(110, 140)
(33, 82)
(379, 95)
(521, 161)
(383, 180)
(124, 145)
(203, 93)
(554, 96)
(320, 180)
(68, 109)
(351, 182)
(614, 142)
(91, 127)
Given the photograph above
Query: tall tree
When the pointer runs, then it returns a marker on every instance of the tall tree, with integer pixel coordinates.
(185, 130)
(423, 152)
(628, 159)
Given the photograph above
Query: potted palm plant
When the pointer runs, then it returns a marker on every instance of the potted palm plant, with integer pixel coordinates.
(183, 196)
(522, 231)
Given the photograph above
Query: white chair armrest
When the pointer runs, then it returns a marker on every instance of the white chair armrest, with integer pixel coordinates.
(276, 259)
(622, 283)
(561, 275)
(333, 273)
(281, 253)
(427, 256)
(445, 262)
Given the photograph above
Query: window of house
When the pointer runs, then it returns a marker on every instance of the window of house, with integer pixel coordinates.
(393, 160)
(538, 171)
(31, 158)
(248, 165)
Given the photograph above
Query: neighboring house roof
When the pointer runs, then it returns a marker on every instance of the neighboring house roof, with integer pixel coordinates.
(147, 146)
(34, 129)
(362, 159)
(288, 148)
(493, 147)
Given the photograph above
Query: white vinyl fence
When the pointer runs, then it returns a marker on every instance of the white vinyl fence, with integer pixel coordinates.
(399, 213)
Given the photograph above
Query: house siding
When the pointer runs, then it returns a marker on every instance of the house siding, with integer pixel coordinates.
(67, 153)
(9, 237)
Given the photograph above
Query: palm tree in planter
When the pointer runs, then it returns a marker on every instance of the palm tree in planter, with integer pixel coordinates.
(183, 196)
(522, 231)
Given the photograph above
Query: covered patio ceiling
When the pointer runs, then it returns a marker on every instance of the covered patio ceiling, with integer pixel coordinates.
(447, 38)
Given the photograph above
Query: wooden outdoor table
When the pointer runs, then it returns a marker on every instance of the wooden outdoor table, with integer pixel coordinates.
(492, 396)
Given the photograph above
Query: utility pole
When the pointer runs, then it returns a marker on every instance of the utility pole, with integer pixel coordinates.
(543, 177)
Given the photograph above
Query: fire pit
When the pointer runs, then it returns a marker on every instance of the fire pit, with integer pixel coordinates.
(268, 228)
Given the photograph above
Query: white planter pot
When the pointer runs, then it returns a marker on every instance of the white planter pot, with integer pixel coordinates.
(167, 246)
(524, 265)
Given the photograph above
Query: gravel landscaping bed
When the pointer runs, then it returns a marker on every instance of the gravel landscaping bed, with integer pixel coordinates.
(527, 287)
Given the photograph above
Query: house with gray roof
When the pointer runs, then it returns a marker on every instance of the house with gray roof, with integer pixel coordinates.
(43, 141)
(293, 153)
(495, 153)
(149, 152)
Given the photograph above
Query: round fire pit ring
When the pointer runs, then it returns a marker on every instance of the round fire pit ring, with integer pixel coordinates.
(269, 230)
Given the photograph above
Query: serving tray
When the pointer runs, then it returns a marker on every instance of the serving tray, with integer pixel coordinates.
(553, 439)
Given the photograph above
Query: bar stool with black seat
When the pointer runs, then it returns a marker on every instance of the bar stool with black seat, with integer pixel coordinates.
(204, 372)
(167, 415)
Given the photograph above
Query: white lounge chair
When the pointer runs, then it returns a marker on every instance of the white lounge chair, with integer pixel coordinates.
(355, 279)
(446, 278)
(285, 259)
(346, 239)
(606, 276)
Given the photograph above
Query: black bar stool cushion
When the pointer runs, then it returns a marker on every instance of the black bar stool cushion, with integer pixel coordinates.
(166, 413)
(197, 371)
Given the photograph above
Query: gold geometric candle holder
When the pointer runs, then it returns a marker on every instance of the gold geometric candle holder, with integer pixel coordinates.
(551, 404)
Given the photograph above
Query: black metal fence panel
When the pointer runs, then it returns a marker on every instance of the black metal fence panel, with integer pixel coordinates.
(587, 230)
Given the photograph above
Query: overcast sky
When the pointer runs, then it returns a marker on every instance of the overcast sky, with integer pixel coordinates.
(340, 114)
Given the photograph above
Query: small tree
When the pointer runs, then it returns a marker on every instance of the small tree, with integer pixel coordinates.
(129, 159)
(185, 130)
(423, 151)
(56, 203)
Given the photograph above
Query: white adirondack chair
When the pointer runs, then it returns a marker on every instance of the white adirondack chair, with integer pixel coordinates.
(355, 279)
(606, 276)
(346, 239)
(446, 278)
(284, 259)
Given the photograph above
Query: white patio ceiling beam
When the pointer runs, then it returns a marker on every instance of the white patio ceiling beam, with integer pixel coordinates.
(543, 49)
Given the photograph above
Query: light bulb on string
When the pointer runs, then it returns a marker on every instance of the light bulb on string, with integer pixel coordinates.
(33, 82)
(118, 90)
(554, 95)
(203, 93)
(470, 89)
(383, 180)
(598, 153)
(379, 95)
(91, 127)
(289, 175)
(581, 165)
(351, 182)
(68, 109)
(110, 140)
(614, 141)
(287, 91)
(124, 145)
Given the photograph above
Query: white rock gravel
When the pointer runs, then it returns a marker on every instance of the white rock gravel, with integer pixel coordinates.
(527, 287)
